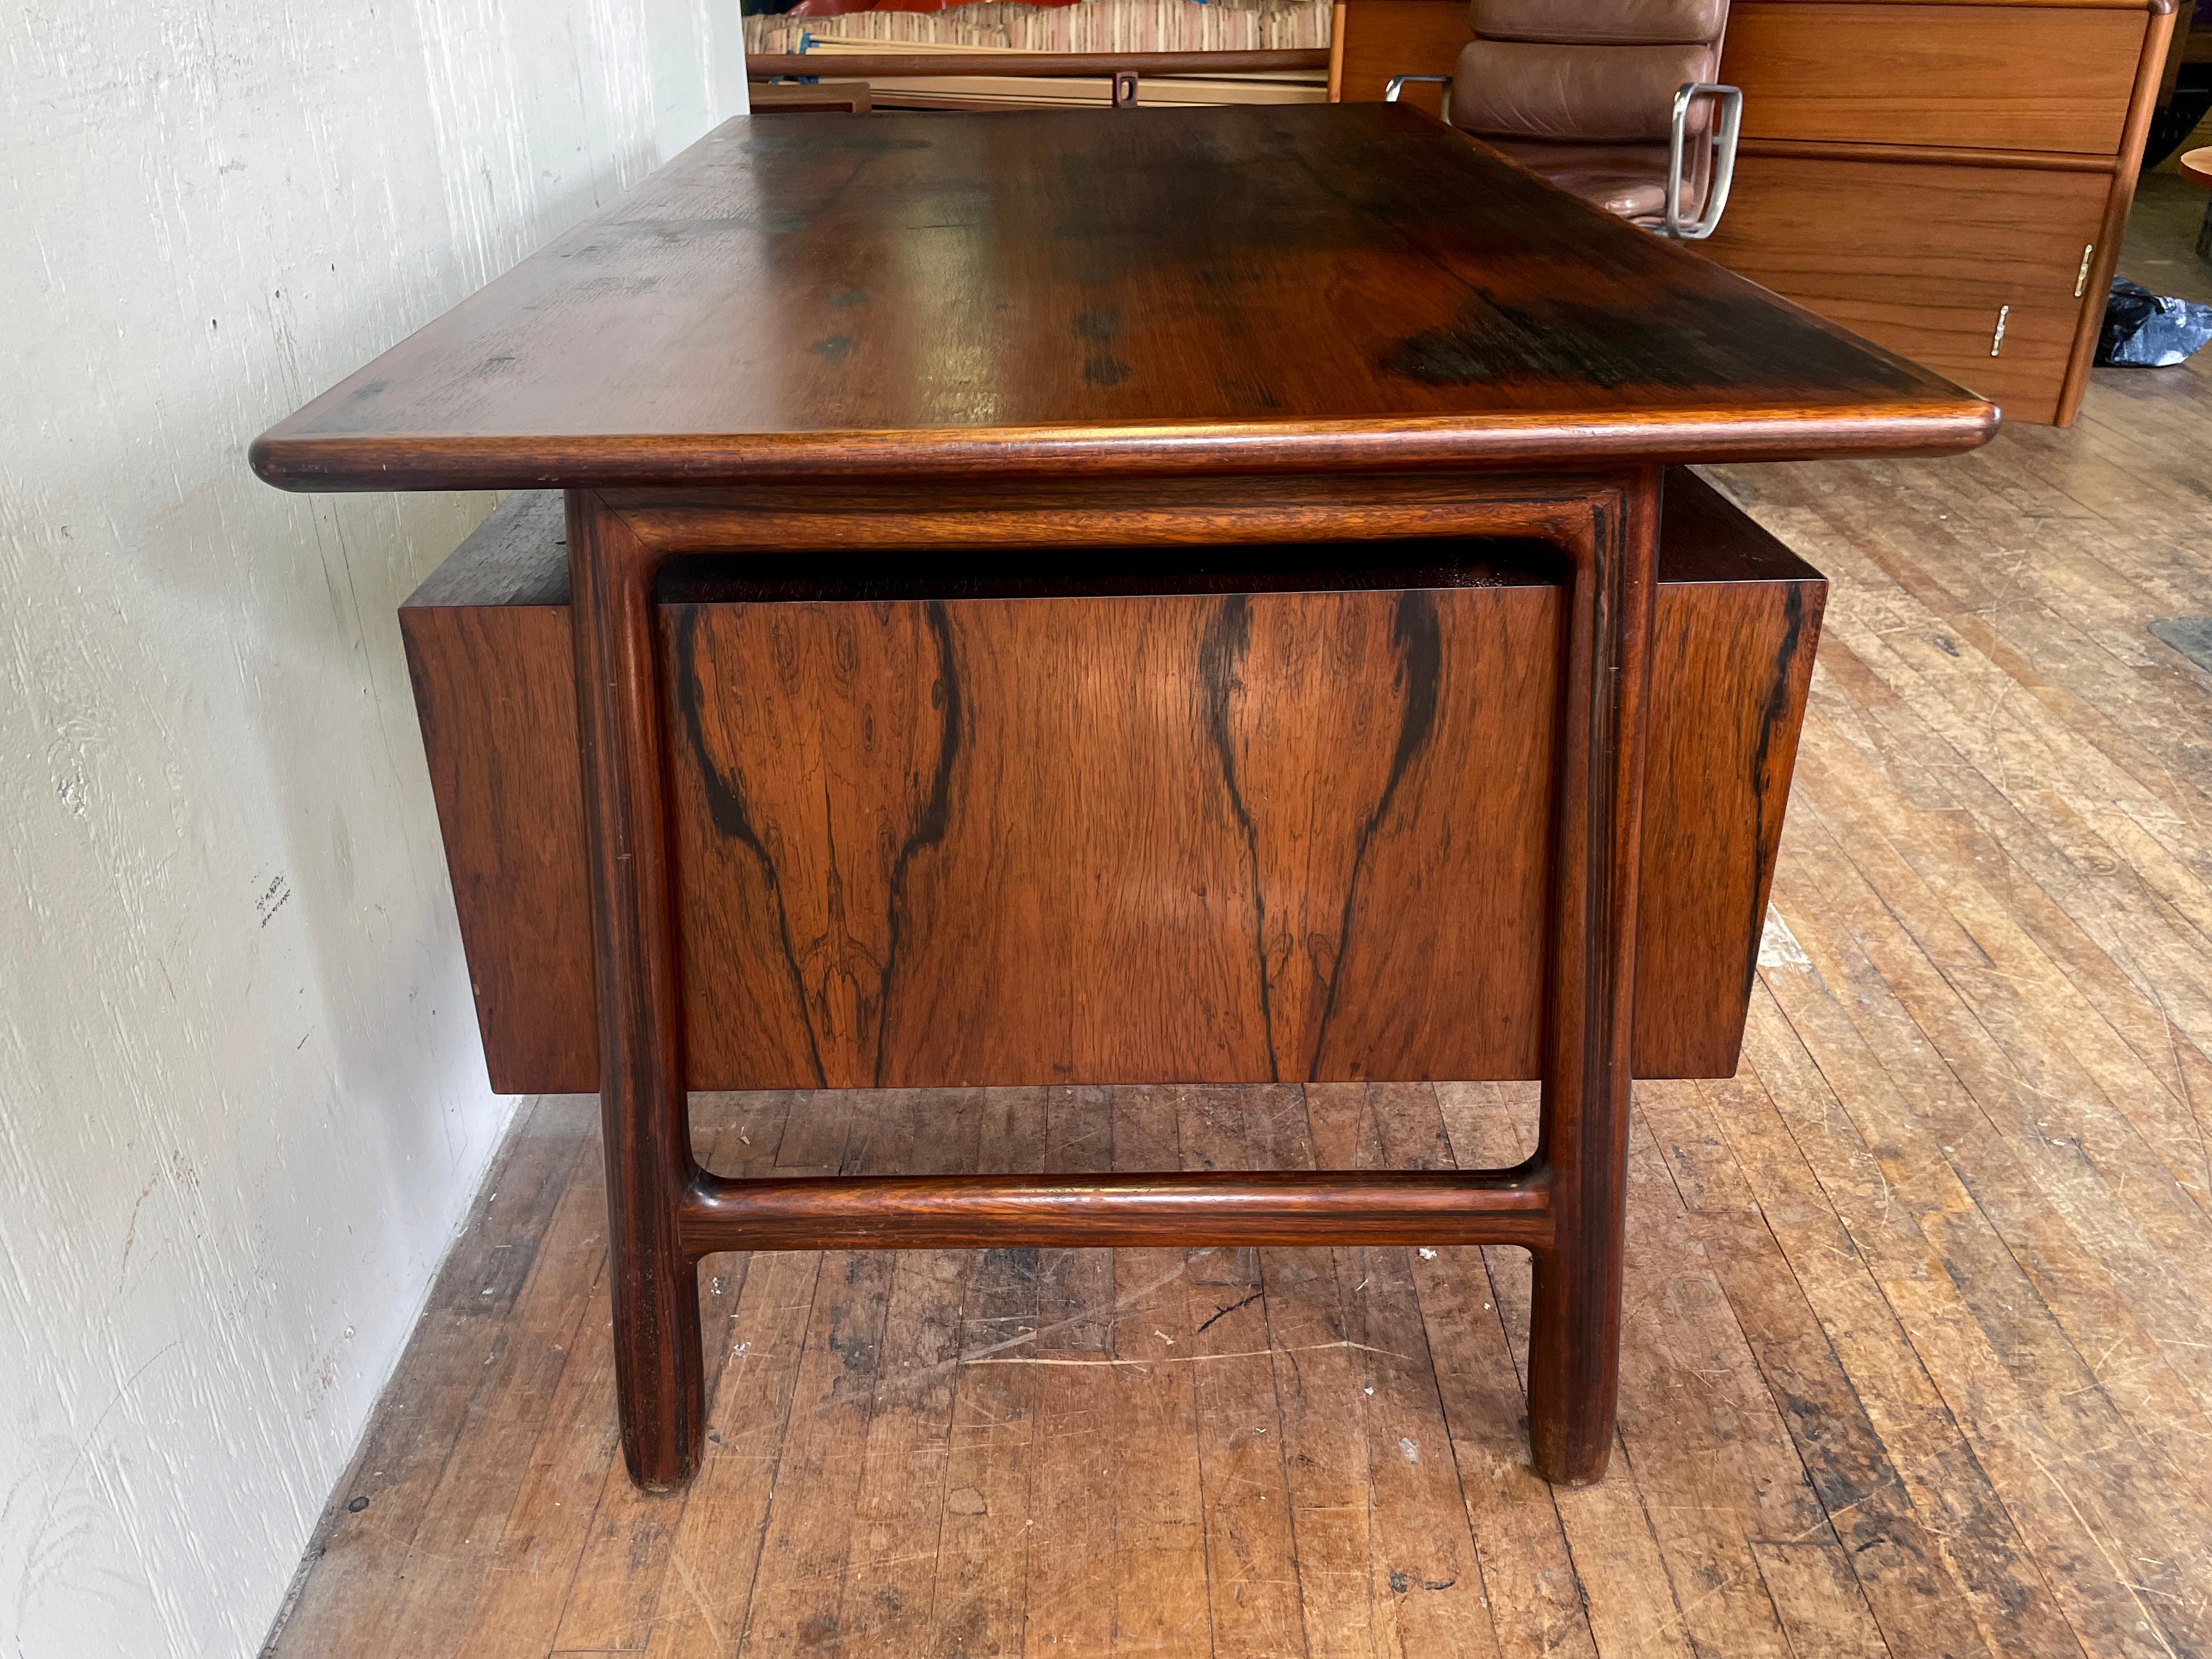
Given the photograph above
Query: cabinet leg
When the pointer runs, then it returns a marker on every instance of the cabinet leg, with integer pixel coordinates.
(1574, 1359)
(659, 1374)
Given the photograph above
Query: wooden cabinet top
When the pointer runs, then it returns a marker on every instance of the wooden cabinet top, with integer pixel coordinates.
(1247, 289)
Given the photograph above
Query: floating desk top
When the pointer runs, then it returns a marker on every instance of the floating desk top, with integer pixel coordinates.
(1245, 289)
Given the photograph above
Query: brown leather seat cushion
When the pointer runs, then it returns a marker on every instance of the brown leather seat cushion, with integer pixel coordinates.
(1627, 179)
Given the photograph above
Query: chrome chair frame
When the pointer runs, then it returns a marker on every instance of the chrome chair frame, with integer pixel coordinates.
(1725, 136)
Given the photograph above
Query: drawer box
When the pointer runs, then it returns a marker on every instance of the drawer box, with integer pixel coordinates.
(2031, 78)
(1111, 824)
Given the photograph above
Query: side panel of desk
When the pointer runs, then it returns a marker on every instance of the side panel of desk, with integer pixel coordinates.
(789, 944)
(1914, 171)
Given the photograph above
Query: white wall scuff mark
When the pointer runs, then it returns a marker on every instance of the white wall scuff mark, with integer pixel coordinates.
(242, 1106)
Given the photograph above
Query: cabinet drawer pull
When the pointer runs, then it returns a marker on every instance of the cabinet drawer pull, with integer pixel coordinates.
(1996, 340)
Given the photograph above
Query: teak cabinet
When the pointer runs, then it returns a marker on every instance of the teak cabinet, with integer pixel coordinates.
(1950, 180)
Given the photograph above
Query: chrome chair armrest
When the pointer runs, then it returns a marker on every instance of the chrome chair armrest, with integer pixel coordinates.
(1724, 142)
(1398, 83)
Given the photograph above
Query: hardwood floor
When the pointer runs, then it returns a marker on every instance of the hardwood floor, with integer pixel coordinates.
(1919, 1358)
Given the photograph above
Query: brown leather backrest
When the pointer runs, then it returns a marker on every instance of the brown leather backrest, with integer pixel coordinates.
(1603, 22)
(1598, 94)
(1598, 72)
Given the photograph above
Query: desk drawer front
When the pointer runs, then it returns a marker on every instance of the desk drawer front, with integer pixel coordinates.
(1983, 76)
(1207, 837)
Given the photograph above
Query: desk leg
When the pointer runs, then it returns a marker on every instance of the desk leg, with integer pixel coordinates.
(1574, 1362)
(646, 1117)
(1609, 530)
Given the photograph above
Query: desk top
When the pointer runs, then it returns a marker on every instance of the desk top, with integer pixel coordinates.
(1241, 289)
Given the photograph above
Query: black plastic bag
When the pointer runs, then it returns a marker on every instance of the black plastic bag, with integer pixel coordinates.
(2143, 329)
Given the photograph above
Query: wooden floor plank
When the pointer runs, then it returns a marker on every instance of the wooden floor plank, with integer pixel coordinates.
(1147, 1407)
(1427, 1584)
(1320, 1379)
(799, 1587)
(1069, 1607)
(982, 1569)
(1251, 1569)
(361, 1546)
(605, 1609)
(1996, 1354)
(1627, 1596)
(890, 1577)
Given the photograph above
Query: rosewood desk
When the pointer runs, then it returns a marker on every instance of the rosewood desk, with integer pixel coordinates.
(1114, 514)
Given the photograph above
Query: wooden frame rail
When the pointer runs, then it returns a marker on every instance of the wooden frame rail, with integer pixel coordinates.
(1488, 1207)
(770, 66)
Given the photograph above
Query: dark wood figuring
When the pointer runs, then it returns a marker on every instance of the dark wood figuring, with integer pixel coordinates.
(1737, 617)
(1045, 293)
(1212, 328)
(1852, 194)
(1190, 837)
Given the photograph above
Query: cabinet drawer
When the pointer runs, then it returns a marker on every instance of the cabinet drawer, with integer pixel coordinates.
(1921, 258)
(1981, 76)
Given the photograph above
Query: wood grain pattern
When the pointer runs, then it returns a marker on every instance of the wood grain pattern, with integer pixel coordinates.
(880, 303)
(2040, 78)
(1089, 840)
(1923, 257)
(1737, 617)
(1944, 1236)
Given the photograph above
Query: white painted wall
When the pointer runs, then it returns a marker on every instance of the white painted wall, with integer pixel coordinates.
(242, 1107)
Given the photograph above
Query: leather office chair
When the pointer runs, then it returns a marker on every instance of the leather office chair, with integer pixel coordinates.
(1611, 100)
